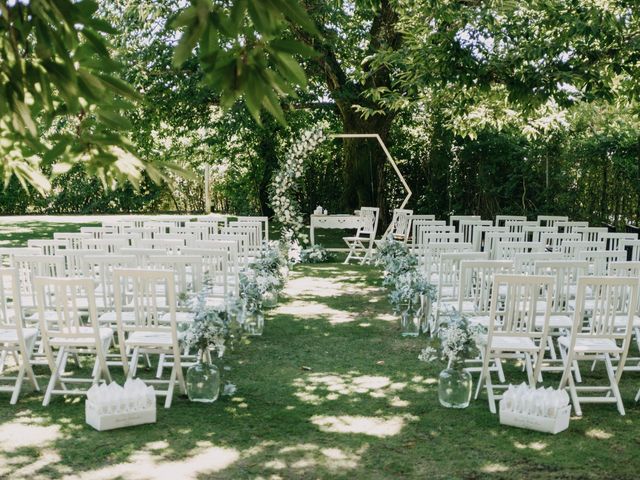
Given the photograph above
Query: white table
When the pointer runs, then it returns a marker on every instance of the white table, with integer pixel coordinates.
(341, 221)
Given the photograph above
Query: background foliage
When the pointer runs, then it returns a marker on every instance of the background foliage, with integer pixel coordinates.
(488, 107)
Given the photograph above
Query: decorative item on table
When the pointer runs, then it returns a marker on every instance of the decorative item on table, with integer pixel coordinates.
(111, 406)
(543, 409)
(319, 211)
(455, 341)
(408, 294)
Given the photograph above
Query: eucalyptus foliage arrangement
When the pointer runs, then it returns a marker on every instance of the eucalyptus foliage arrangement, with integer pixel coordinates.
(213, 327)
(456, 341)
(407, 285)
(286, 182)
(315, 254)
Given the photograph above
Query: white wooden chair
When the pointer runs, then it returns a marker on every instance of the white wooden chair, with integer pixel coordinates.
(633, 249)
(480, 236)
(592, 234)
(418, 221)
(169, 246)
(600, 260)
(554, 241)
(493, 238)
(48, 247)
(570, 227)
(63, 329)
(215, 270)
(467, 228)
(109, 244)
(517, 226)
(551, 220)
(264, 221)
(502, 219)
(15, 338)
(615, 240)
(400, 226)
(566, 274)
(512, 332)
(7, 254)
(73, 239)
(525, 263)
(454, 220)
(150, 295)
(508, 250)
(31, 266)
(571, 248)
(476, 287)
(602, 337)
(361, 245)
(533, 233)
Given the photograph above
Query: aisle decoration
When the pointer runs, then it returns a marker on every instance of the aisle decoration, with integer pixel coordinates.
(285, 185)
(542, 409)
(212, 329)
(112, 406)
(315, 254)
(455, 342)
(410, 293)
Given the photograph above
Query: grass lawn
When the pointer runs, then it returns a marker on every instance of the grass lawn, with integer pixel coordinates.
(330, 390)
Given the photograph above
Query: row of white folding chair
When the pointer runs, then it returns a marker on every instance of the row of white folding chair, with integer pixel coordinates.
(418, 221)
(518, 327)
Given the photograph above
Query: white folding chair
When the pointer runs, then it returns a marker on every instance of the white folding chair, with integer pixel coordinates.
(615, 240)
(517, 226)
(48, 247)
(63, 329)
(571, 248)
(149, 295)
(361, 245)
(525, 263)
(551, 220)
(467, 228)
(493, 238)
(633, 249)
(400, 224)
(570, 227)
(15, 338)
(509, 250)
(264, 221)
(502, 219)
(600, 260)
(31, 266)
(533, 233)
(512, 332)
(7, 254)
(73, 239)
(592, 234)
(454, 220)
(603, 336)
(554, 241)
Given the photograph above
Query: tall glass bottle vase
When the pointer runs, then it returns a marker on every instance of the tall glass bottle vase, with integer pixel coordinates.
(203, 380)
(455, 385)
(254, 323)
(411, 318)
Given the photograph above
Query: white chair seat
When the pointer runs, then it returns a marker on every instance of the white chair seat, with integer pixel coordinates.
(181, 317)
(479, 320)
(9, 335)
(621, 321)
(513, 344)
(105, 334)
(110, 317)
(448, 305)
(595, 345)
(149, 339)
(555, 321)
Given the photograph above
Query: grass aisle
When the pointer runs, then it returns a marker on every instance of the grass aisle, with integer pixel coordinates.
(329, 391)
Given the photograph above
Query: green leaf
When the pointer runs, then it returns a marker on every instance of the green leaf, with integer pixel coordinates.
(120, 87)
(291, 69)
(293, 47)
(295, 13)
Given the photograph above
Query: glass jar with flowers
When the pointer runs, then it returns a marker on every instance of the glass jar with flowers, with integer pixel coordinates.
(251, 303)
(203, 378)
(409, 293)
(455, 342)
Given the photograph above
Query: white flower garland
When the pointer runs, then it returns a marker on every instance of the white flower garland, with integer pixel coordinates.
(285, 183)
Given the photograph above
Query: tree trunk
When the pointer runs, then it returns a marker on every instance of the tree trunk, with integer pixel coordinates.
(365, 164)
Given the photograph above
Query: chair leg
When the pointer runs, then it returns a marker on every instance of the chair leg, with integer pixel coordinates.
(574, 396)
(614, 383)
(160, 365)
(500, 371)
(172, 381)
(134, 363)
(18, 385)
(55, 374)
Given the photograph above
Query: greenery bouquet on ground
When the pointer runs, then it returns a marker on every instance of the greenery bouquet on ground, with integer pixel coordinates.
(456, 341)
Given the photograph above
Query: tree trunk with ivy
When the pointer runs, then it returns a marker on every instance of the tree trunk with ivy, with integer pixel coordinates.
(364, 160)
